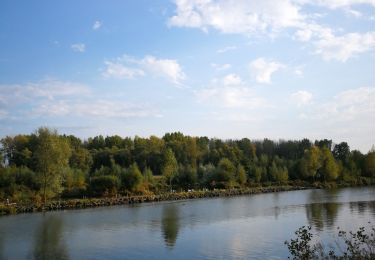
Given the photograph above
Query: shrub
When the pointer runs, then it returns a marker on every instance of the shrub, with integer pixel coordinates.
(359, 245)
(105, 185)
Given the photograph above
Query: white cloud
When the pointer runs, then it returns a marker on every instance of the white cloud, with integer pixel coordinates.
(61, 98)
(333, 47)
(48, 88)
(19, 98)
(301, 97)
(94, 108)
(97, 25)
(229, 92)
(263, 69)
(298, 71)
(78, 47)
(339, 3)
(354, 13)
(232, 79)
(343, 47)
(311, 31)
(226, 49)
(221, 67)
(119, 71)
(230, 97)
(353, 104)
(251, 18)
(170, 69)
(128, 67)
(236, 16)
(303, 35)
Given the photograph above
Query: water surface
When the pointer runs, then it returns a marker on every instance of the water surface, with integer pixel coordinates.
(253, 226)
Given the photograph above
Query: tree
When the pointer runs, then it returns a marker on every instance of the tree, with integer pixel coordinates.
(81, 159)
(278, 174)
(51, 157)
(310, 163)
(103, 185)
(341, 152)
(74, 180)
(370, 164)
(132, 180)
(329, 168)
(187, 176)
(1, 160)
(170, 166)
(148, 177)
(241, 175)
(324, 143)
(206, 173)
(225, 172)
(257, 174)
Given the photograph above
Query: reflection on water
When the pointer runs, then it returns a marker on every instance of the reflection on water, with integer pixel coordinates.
(170, 224)
(322, 215)
(362, 206)
(237, 227)
(48, 243)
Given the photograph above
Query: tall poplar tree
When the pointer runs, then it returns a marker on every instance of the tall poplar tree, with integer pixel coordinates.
(51, 157)
(170, 166)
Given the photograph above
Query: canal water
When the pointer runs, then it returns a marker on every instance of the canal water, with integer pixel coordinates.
(253, 226)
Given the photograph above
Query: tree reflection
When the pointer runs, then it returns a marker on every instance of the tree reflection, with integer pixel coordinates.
(320, 212)
(321, 215)
(48, 239)
(361, 207)
(170, 224)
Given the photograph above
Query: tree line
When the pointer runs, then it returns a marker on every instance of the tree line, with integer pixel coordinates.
(45, 164)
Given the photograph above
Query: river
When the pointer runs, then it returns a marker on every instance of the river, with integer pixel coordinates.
(243, 227)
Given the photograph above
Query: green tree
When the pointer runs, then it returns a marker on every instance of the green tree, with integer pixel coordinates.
(81, 159)
(1, 160)
(74, 181)
(341, 152)
(205, 174)
(148, 177)
(257, 173)
(105, 185)
(370, 164)
(241, 175)
(132, 180)
(329, 169)
(187, 176)
(278, 173)
(51, 157)
(225, 172)
(310, 163)
(170, 166)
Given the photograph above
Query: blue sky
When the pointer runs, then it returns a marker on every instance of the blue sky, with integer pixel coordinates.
(284, 69)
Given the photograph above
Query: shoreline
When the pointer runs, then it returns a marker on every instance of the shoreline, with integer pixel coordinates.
(72, 204)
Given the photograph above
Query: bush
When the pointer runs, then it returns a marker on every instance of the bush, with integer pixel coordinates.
(359, 245)
(132, 179)
(105, 185)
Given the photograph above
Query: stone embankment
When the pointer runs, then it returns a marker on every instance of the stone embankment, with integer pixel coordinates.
(6, 209)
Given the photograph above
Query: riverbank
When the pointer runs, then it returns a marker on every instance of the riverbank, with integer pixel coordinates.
(125, 200)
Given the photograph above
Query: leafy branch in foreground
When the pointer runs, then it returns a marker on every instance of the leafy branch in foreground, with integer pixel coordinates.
(358, 245)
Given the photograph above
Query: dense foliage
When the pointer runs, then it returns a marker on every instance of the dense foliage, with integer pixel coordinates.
(45, 164)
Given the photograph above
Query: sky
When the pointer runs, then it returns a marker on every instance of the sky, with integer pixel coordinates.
(278, 69)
